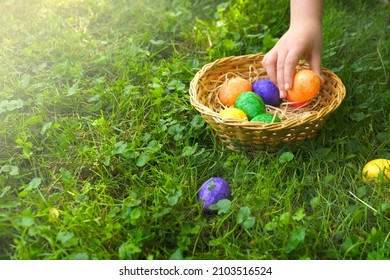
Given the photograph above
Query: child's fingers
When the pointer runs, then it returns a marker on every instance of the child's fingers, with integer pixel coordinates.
(291, 62)
(315, 65)
(280, 66)
(269, 64)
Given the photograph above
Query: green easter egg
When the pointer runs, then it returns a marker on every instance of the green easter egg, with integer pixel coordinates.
(251, 104)
(266, 118)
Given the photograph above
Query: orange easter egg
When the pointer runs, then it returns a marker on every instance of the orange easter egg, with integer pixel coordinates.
(231, 89)
(305, 86)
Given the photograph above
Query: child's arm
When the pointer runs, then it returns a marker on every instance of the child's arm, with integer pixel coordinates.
(302, 39)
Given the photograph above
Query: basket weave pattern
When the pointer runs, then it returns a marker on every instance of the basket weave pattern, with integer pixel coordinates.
(297, 123)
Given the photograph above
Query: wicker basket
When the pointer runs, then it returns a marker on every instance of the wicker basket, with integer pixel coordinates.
(297, 123)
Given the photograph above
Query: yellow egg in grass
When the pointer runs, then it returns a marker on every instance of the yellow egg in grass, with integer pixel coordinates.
(377, 170)
(233, 113)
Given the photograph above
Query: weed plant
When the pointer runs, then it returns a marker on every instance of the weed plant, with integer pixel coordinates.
(102, 155)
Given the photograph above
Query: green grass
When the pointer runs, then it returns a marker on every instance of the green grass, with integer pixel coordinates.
(102, 155)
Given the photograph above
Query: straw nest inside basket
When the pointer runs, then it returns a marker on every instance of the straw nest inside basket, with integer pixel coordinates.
(296, 124)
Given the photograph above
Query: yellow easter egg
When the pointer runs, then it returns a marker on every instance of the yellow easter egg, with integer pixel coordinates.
(377, 170)
(233, 113)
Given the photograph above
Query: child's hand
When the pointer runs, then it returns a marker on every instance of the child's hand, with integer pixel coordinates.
(303, 39)
(281, 60)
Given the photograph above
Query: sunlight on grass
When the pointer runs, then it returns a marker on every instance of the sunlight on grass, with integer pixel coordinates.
(102, 155)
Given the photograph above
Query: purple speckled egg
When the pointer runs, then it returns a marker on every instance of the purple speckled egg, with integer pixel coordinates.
(212, 191)
(268, 91)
